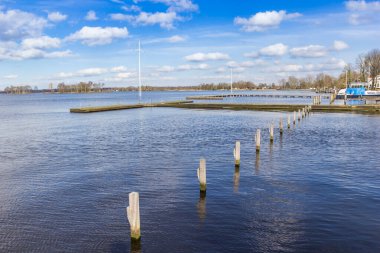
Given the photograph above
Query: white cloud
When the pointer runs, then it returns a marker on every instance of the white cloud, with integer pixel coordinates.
(197, 57)
(131, 8)
(118, 69)
(185, 67)
(176, 38)
(362, 5)
(16, 24)
(10, 76)
(340, 45)
(43, 42)
(164, 19)
(56, 16)
(278, 49)
(125, 75)
(311, 51)
(176, 5)
(121, 17)
(362, 11)
(172, 39)
(91, 16)
(330, 65)
(31, 49)
(93, 36)
(166, 69)
(262, 21)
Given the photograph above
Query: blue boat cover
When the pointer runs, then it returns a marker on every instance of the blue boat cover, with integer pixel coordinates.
(355, 91)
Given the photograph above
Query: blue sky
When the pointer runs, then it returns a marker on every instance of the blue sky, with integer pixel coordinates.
(184, 42)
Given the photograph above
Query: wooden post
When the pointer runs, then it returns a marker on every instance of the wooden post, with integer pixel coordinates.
(294, 117)
(299, 114)
(271, 132)
(257, 138)
(288, 121)
(202, 175)
(133, 214)
(281, 127)
(237, 154)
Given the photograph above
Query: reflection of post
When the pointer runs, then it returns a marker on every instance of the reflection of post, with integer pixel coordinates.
(288, 121)
(294, 117)
(281, 127)
(257, 163)
(271, 133)
(201, 206)
(237, 154)
(202, 175)
(133, 214)
(258, 140)
(136, 246)
(236, 179)
(299, 114)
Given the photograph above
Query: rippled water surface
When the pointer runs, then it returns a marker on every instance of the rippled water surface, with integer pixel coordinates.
(65, 178)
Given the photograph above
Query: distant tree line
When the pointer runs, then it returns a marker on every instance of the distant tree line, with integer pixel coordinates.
(82, 87)
(18, 89)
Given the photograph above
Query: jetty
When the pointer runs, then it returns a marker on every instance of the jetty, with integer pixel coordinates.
(189, 104)
(221, 97)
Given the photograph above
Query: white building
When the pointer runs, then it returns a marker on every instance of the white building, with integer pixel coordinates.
(377, 82)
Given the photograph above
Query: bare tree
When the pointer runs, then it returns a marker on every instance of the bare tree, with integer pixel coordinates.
(373, 61)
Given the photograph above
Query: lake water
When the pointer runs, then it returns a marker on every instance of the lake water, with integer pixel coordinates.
(65, 178)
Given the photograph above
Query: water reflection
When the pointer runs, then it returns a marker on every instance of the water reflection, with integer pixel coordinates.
(236, 179)
(201, 206)
(135, 246)
(257, 163)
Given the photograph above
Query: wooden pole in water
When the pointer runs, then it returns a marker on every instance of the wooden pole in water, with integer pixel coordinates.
(294, 117)
(237, 154)
(299, 114)
(288, 121)
(281, 126)
(202, 175)
(133, 214)
(258, 139)
(271, 132)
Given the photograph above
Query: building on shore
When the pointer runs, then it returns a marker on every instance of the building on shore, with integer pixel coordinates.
(377, 82)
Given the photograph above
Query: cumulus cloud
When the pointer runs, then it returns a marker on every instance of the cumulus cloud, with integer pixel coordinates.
(278, 49)
(43, 42)
(91, 16)
(311, 51)
(185, 67)
(118, 69)
(263, 21)
(164, 19)
(121, 17)
(32, 48)
(56, 16)
(120, 72)
(94, 36)
(16, 24)
(198, 57)
(340, 45)
(176, 38)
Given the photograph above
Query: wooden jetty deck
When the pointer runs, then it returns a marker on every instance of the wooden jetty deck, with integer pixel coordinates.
(221, 97)
(186, 104)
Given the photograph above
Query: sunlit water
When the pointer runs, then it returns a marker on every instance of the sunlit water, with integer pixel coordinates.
(65, 178)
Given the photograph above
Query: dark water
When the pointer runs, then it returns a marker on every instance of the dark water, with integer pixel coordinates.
(65, 179)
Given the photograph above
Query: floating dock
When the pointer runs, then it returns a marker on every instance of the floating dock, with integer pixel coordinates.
(188, 104)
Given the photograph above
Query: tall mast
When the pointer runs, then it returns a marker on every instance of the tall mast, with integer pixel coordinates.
(139, 71)
(346, 79)
(231, 79)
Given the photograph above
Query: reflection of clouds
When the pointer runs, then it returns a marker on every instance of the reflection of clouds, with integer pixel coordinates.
(236, 179)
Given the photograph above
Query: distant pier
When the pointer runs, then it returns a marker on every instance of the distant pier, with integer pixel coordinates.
(221, 97)
(188, 104)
